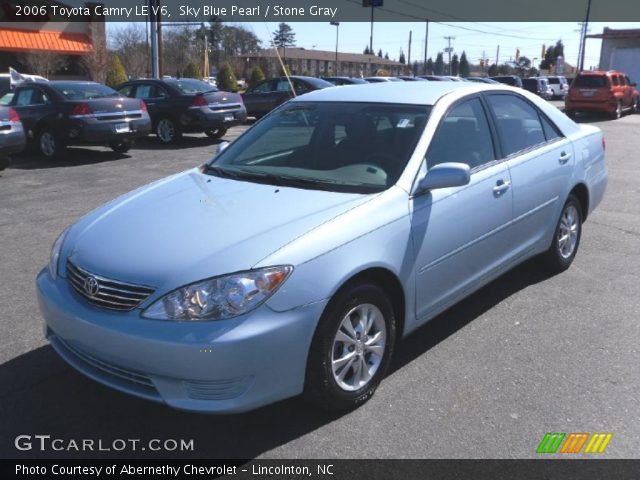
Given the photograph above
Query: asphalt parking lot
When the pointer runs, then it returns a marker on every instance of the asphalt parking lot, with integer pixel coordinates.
(526, 355)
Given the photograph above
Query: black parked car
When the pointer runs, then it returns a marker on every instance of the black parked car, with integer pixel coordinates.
(435, 78)
(186, 105)
(345, 80)
(512, 80)
(60, 113)
(12, 138)
(539, 86)
(268, 94)
(408, 78)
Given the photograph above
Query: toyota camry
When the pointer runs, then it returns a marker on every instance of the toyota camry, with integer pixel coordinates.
(296, 259)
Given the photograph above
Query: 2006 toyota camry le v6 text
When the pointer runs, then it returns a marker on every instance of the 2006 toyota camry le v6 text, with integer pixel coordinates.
(295, 260)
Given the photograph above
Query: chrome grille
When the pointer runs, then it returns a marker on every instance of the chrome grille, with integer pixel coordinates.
(107, 293)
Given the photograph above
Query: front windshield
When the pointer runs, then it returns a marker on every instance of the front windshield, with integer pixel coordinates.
(341, 146)
(84, 90)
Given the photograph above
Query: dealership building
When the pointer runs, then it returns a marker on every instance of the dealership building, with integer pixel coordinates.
(620, 51)
(319, 63)
(70, 41)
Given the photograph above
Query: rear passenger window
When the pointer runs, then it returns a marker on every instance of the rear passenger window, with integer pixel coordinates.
(518, 123)
(463, 137)
(615, 79)
(126, 90)
(551, 132)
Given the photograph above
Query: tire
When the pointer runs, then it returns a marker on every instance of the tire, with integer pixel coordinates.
(49, 145)
(571, 114)
(216, 132)
(348, 386)
(122, 146)
(561, 253)
(168, 131)
(618, 111)
(636, 105)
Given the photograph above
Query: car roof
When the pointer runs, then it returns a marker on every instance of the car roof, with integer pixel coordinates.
(418, 93)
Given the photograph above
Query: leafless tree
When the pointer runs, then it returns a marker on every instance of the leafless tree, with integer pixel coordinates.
(97, 62)
(131, 46)
(45, 64)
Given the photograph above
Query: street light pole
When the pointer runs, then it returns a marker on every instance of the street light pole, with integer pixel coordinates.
(337, 25)
(449, 50)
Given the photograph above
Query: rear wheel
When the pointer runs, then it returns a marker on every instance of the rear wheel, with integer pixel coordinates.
(636, 105)
(123, 146)
(351, 349)
(49, 145)
(617, 113)
(566, 239)
(168, 131)
(216, 132)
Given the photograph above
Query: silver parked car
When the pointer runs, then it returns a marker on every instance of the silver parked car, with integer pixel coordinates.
(295, 260)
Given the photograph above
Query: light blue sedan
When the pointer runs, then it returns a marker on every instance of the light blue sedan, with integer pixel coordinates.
(296, 259)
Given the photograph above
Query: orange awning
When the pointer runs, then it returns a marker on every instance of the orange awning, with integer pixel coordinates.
(45, 41)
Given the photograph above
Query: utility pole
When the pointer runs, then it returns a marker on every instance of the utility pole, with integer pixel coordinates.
(155, 61)
(337, 25)
(449, 50)
(371, 35)
(498, 56)
(426, 44)
(583, 38)
(409, 50)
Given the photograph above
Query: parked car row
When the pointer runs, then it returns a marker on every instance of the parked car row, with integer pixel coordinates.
(56, 114)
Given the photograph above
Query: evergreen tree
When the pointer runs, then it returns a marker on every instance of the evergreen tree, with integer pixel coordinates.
(380, 53)
(366, 50)
(386, 56)
(493, 70)
(429, 67)
(116, 73)
(465, 69)
(438, 67)
(191, 71)
(257, 75)
(226, 80)
(455, 65)
(402, 59)
(284, 36)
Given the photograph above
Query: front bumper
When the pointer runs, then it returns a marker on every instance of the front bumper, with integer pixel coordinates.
(217, 367)
(95, 131)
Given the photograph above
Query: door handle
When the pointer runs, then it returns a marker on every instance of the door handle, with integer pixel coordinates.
(564, 158)
(501, 187)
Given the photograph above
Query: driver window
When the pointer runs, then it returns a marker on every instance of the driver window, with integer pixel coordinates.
(463, 136)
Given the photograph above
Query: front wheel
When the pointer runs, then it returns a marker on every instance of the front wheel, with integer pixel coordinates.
(122, 146)
(617, 113)
(636, 105)
(216, 133)
(566, 239)
(351, 349)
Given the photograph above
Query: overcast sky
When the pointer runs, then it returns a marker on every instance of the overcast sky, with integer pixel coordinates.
(473, 37)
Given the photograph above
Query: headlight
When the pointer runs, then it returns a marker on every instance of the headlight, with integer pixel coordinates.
(55, 254)
(221, 297)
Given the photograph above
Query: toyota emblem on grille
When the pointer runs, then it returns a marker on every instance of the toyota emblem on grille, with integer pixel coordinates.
(91, 286)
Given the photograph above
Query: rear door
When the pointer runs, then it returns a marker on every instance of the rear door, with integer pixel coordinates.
(461, 234)
(154, 96)
(540, 160)
(257, 99)
(33, 105)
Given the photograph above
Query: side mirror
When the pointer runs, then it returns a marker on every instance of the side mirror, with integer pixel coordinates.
(445, 175)
(221, 147)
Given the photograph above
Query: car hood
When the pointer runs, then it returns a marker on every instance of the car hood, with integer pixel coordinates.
(194, 226)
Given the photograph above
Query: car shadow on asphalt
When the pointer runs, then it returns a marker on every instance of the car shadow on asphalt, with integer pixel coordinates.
(41, 394)
(187, 141)
(72, 158)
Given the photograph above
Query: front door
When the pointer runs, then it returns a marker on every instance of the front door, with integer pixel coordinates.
(461, 234)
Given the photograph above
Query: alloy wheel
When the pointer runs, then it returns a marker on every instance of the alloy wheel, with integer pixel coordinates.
(358, 347)
(166, 130)
(568, 230)
(47, 144)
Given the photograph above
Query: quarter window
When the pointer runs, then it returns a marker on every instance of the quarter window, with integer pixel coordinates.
(463, 136)
(518, 123)
(551, 132)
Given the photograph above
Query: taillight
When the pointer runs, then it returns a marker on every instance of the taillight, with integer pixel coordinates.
(143, 106)
(199, 101)
(81, 109)
(13, 116)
